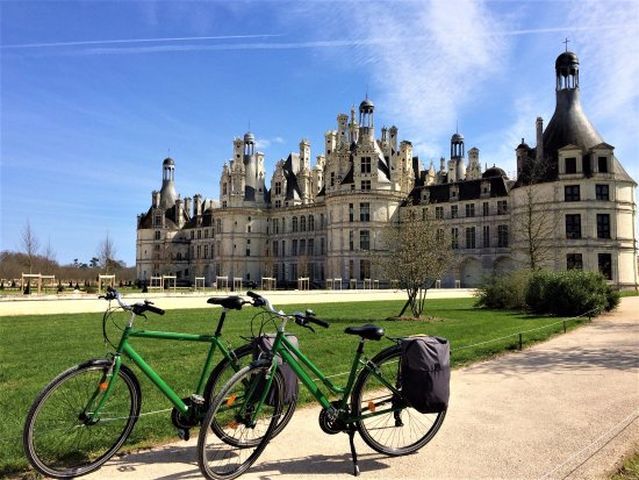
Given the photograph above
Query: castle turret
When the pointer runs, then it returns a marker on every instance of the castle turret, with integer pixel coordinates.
(167, 193)
(366, 120)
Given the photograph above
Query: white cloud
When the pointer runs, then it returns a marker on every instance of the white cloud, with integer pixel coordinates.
(264, 143)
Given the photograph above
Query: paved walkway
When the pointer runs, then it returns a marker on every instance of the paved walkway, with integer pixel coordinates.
(79, 303)
(567, 408)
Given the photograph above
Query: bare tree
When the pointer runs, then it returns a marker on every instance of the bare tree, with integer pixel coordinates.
(30, 245)
(533, 223)
(106, 254)
(49, 252)
(420, 252)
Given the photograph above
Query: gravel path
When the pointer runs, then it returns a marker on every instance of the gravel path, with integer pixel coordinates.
(567, 408)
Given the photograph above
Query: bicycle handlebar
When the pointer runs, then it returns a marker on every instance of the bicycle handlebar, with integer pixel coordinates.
(302, 319)
(136, 308)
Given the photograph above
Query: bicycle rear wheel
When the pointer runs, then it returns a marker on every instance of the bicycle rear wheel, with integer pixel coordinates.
(223, 371)
(59, 438)
(390, 426)
(237, 427)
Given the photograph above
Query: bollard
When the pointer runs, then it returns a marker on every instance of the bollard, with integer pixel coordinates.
(521, 341)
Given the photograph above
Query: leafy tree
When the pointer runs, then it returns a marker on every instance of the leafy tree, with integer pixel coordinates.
(420, 252)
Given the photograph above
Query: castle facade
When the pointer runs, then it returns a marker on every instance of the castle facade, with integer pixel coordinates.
(572, 205)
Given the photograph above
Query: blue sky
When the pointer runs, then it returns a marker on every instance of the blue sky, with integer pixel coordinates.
(95, 94)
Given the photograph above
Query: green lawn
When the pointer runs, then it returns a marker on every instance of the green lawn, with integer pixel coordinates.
(36, 348)
(629, 470)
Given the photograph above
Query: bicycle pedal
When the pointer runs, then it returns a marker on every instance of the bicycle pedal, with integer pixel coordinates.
(184, 434)
(197, 399)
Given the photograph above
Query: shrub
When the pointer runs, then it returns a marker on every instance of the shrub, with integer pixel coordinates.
(504, 292)
(570, 293)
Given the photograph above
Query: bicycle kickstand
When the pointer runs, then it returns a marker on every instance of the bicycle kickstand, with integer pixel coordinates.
(351, 439)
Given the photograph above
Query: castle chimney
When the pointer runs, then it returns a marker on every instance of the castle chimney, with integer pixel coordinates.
(540, 140)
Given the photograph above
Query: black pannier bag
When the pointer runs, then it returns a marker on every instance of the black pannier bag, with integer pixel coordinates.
(264, 343)
(425, 373)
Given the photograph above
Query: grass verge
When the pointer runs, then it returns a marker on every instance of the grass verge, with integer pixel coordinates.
(629, 470)
(36, 348)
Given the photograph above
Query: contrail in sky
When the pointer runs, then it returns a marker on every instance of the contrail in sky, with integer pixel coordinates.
(136, 40)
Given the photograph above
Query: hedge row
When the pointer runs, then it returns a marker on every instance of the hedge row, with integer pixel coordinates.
(569, 293)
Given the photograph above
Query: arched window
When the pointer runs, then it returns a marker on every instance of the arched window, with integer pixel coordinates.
(302, 223)
(311, 223)
(294, 224)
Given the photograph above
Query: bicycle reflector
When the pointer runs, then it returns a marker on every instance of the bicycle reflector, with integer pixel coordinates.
(371, 406)
(231, 400)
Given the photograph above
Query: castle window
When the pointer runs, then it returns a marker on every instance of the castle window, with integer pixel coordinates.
(206, 233)
(366, 185)
(603, 225)
(224, 189)
(311, 246)
(502, 236)
(206, 251)
(571, 193)
(574, 261)
(364, 269)
(224, 204)
(276, 225)
(605, 265)
(179, 256)
(571, 165)
(332, 179)
(157, 234)
(294, 224)
(302, 250)
(275, 252)
(486, 236)
(311, 223)
(192, 234)
(439, 213)
(502, 207)
(454, 237)
(351, 212)
(158, 221)
(364, 212)
(294, 248)
(302, 223)
(322, 221)
(278, 188)
(454, 211)
(485, 208)
(199, 251)
(470, 237)
(602, 163)
(322, 246)
(248, 251)
(366, 165)
(218, 226)
(470, 209)
(364, 240)
(278, 203)
(573, 226)
(199, 234)
(602, 192)
(351, 245)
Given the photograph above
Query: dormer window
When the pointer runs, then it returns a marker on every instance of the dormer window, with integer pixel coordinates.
(278, 188)
(602, 164)
(454, 192)
(571, 165)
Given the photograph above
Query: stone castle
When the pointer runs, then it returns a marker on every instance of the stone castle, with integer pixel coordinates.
(322, 221)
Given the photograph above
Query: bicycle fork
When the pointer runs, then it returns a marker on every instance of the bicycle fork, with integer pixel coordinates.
(90, 414)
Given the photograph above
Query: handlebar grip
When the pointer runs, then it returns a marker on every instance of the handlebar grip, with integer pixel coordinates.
(317, 321)
(153, 309)
(258, 300)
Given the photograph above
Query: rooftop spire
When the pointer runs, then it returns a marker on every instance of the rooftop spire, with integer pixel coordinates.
(565, 42)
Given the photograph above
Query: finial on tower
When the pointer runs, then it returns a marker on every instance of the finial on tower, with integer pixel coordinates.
(565, 42)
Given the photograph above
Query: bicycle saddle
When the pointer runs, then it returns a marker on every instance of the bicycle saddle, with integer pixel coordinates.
(233, 302)
(370, 332)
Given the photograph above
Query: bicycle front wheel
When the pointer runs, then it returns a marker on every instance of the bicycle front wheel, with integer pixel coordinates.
(238, 425)
(387, 424)
(60, 438)
(223, 371)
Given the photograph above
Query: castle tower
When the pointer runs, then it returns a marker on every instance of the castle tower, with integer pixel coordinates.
(250, 167)
(167, 193)
(366, 120)
(474, 167)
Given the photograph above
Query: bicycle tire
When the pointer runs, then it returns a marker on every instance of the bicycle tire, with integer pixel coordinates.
(224, 370)
(224, 448)
(66, 451)
(398, 432)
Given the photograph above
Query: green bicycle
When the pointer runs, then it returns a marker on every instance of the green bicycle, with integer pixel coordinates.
(250, 404)
(85, 414)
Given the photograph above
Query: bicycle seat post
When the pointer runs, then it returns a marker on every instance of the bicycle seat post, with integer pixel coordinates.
(220, 323)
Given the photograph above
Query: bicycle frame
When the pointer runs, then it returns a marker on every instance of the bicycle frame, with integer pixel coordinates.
(124, 347)
(297, 361)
